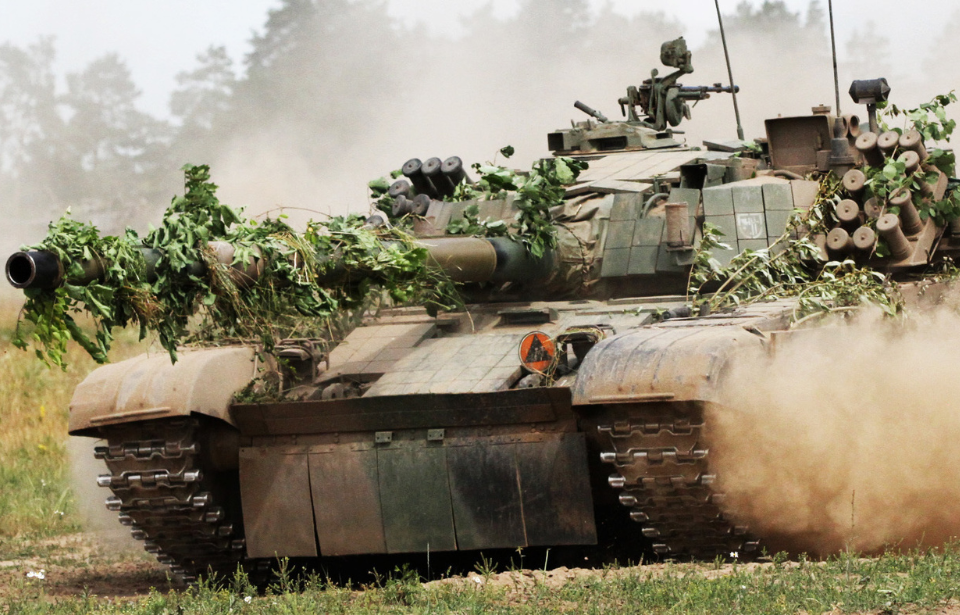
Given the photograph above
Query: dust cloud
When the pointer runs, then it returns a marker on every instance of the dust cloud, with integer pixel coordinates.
(510, 82)
(350, 93)
(89, 497)
(847, 437)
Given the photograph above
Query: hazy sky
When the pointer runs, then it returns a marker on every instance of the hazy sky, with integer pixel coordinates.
(159, 38)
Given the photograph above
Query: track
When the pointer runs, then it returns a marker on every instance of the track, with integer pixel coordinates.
(188, 515)
(663, 476)
(163, 489)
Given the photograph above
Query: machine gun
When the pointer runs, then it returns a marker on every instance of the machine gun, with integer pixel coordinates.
(651, 109)
(662, 100)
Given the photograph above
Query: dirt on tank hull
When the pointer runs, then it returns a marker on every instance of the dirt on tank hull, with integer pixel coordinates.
(460, 460)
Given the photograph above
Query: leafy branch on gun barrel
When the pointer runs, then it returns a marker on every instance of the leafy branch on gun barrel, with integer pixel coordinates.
(184, 302)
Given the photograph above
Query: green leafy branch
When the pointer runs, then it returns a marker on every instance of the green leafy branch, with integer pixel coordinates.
(118, 298)
(758, 274)
(706, 268)
(931, 121)
(278, 284)
(762, 275)
(788, 268)
(470, 224)
(380, 191)
(845, 285)
(535, 193)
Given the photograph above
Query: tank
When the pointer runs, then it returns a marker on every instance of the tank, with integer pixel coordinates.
(564, 405)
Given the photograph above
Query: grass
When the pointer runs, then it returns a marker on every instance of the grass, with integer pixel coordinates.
(35, 499)
(37, 507)
(911, 582)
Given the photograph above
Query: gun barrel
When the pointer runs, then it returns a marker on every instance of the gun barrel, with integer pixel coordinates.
(590, 111)
(43, 270)
(491, 259)
(702, 91)
(463, 259)
(34, 269)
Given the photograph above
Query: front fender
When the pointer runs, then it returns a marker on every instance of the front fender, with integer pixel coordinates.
(202, 381)
(660, 364)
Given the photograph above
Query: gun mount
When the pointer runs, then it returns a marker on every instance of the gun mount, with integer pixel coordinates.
(662, 103)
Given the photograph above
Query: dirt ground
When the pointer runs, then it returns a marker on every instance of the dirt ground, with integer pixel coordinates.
(97, 564)
(76, 564)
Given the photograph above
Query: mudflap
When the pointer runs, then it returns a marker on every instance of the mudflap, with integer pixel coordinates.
(414, 474)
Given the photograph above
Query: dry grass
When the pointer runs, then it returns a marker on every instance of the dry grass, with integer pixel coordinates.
(35, 499)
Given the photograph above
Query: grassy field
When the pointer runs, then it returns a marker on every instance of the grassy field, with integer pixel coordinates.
(48, 565)
(910, 583)
(35, 500)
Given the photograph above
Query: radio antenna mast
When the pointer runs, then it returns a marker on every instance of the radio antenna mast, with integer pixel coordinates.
(726, 54)
(833, 44)
(841, 160)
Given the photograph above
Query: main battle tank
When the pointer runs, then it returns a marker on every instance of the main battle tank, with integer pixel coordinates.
(568, 394)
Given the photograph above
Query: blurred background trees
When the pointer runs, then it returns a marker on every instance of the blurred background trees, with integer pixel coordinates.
(335, 92)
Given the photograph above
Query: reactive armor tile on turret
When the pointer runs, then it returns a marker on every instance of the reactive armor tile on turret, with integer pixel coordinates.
(718, 201)
(690, 196)
(648, 232)
(777, 222)
(747, 199)
(778, 196)
(643, 261)
(620, 234)
(625, 207)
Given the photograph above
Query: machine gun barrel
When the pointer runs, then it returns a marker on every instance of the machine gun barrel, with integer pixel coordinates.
(702, 92)
(590, 111)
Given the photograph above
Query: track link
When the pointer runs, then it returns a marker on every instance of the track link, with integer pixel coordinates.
(663, 476)
(162, 491)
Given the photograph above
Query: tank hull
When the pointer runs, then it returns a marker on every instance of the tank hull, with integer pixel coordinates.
(447, 467)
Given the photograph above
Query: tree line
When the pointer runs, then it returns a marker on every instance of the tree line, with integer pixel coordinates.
(334, 92)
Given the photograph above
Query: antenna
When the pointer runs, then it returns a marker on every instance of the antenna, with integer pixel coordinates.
(841, 159)
(833, 44)
(733, 90)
